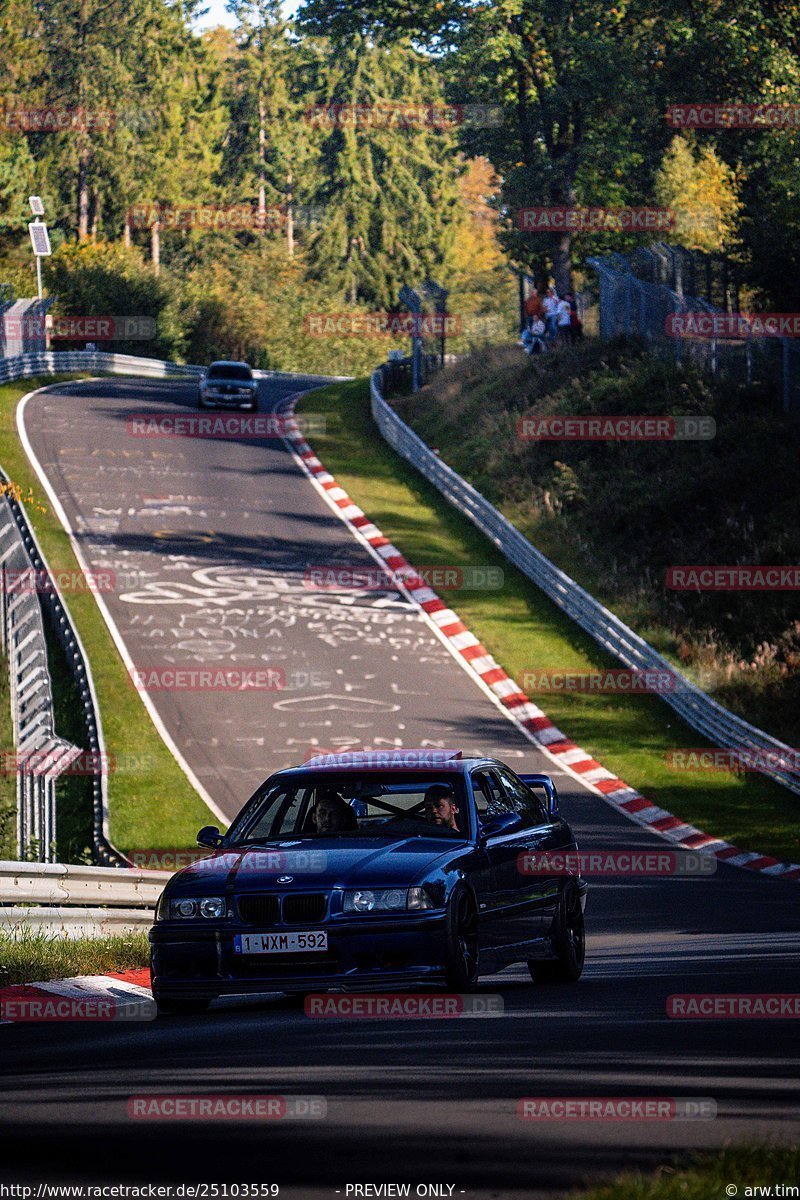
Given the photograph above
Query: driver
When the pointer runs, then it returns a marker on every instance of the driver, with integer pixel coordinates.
(440, 806)
(332, 813)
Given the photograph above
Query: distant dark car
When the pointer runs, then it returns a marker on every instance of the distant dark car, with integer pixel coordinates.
(335, 875)
(228, 385)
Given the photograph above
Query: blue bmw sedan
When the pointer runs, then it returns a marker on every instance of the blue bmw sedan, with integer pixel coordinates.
(366, 870)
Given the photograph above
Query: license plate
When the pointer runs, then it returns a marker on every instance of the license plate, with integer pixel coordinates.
(280, 943)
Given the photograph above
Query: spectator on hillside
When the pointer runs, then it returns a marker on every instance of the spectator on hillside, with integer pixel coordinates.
(534, 309)
(575, 322)
(533, 338)
(551, 313)
(538, 331)
(563, 314)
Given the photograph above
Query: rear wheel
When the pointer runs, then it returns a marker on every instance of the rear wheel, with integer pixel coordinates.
(461, 957)
(569, 942)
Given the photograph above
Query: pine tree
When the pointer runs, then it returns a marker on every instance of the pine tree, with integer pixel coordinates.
(388, 186)
(87, 48)
(268, 150)
(183, 152)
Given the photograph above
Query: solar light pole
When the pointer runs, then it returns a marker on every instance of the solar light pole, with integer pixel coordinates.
(40, 238)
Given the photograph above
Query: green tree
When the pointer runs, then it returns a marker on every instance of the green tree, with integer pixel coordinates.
(86, 72)
(103, 278)
(584, 86)
(176, 157)
(388, 184)
(267, 151)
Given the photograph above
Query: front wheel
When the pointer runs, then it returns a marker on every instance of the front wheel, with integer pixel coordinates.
(569, 942)
(461, 956)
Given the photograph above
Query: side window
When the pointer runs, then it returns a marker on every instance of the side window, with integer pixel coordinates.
(489, 798)
(278, 813)
(480, 792)
(522, 800)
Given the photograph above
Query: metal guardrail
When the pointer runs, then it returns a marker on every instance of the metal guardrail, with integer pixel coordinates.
(76, 901)
(56, 362)
(41, 756)
(721, 727)
(73, 922)
(48, 596)
(64, 884)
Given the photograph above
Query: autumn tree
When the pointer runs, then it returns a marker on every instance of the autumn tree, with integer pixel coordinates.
(700, 189)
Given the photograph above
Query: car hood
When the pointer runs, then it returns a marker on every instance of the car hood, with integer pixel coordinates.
(320, 863)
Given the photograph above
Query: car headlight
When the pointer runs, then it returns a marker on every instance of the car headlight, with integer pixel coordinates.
(367, 900)
(211, 907)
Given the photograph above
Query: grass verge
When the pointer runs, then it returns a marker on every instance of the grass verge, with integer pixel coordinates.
(617, 515)
(747, 1168)
(630, 735)
(151, 802)
(39, 956)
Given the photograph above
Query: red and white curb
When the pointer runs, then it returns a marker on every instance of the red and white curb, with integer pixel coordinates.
(118, 996)
(528, 717)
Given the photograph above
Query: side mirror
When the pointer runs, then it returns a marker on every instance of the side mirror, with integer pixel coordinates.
(546, 784)
(505, 822)
(210, 837)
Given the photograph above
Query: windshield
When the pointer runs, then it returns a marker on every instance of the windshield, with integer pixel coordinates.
(377, 806)
(220, 371)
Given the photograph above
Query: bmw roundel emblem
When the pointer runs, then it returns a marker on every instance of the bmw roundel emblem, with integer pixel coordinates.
(285, 878)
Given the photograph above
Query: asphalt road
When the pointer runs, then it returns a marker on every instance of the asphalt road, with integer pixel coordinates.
(209, 544)
(217, 538)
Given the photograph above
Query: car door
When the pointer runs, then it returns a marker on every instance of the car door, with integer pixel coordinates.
(504, 851)
(487, 795)
(532, 894)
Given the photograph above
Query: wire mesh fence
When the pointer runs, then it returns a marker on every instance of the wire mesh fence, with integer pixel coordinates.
(645, 294)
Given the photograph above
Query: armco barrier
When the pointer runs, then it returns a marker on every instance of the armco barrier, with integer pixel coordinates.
(717, 724)
(41, 756)
(63, 362)
(60, 621)
(76, 901)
